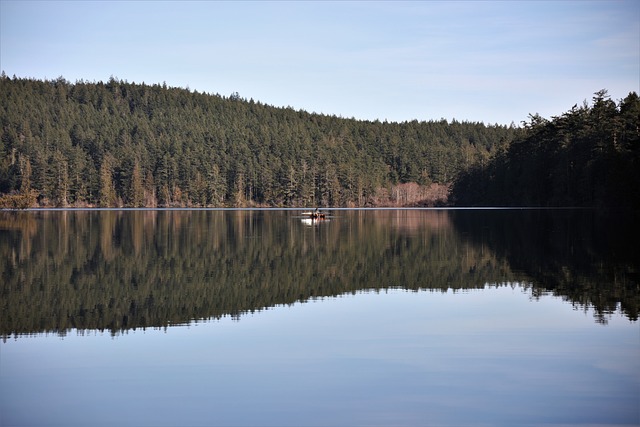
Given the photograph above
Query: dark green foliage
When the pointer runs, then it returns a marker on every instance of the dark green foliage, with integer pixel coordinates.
(589, 156)
(127, 144)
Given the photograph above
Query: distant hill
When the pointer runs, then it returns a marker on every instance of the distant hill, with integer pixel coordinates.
(125, 144)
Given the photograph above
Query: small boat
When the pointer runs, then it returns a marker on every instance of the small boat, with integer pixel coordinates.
(315, 214)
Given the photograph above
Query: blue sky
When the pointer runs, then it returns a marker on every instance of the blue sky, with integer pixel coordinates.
(494, 62)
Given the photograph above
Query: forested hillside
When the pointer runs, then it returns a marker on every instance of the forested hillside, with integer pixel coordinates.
(589, 157)
(126, 144)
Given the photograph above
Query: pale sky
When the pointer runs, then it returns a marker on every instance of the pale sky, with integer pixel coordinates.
(495, 62)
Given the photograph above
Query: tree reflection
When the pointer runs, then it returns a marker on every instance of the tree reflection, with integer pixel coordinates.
(585, 256)
(119, 270)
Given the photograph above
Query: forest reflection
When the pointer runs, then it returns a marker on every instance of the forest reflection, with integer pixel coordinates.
(119, 270)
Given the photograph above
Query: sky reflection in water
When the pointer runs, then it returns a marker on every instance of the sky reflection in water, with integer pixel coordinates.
(562, 347)
(390, 358)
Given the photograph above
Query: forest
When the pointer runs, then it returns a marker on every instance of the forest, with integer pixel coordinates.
(587, 157)
(121, 144)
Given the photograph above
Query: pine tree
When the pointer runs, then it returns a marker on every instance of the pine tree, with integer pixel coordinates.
(136, 192)
(108, 197)
(25, 175)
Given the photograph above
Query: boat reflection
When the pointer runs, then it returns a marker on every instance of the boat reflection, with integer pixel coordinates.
(314, 217)
(313, 221)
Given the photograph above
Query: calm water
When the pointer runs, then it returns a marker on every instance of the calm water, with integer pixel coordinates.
(372, 317)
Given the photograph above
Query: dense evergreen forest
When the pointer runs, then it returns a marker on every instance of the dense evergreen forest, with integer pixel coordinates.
(125, 144)
(588, 157)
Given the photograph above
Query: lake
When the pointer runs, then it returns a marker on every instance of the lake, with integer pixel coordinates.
(381, 317)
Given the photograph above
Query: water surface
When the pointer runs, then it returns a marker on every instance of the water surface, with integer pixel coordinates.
(374, 317)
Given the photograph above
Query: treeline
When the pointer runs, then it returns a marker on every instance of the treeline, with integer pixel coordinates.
(588, 156)
(126, 144)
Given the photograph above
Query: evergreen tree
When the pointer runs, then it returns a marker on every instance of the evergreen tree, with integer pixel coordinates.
(136, 191)
(186, 148)
(585, 157)
(108, 197)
